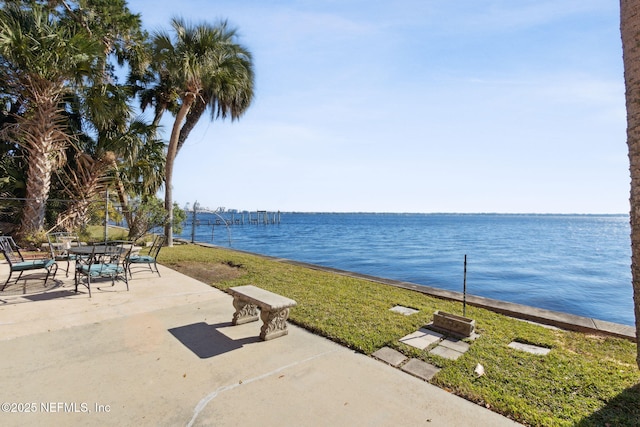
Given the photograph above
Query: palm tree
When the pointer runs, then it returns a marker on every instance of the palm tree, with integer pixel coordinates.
(630, 30)
(42, 58)
(117, 139)
(110, 22)
(140, 171)
(162, 96)
(203, 66)
(115, 151)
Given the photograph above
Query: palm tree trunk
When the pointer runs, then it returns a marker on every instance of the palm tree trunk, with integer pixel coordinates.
(89, 183)
(172, 151)
(40, 135)
(196, 111)
(39, 172)
(630, 31)
(158, 116)
(122, 196)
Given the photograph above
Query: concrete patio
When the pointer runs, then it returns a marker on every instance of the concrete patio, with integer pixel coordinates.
(165, 353)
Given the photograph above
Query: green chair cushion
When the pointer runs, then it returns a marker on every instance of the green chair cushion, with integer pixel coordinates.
(96, 270)
(32, 264)
(141, 259)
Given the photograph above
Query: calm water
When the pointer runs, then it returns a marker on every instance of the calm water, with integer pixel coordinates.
(577, 264)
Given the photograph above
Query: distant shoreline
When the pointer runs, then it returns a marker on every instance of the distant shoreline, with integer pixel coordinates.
(452, 213)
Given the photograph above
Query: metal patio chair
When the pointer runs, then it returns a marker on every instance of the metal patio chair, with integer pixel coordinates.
(18, 264)
(59, 245)
(106, 261)
(150, 260)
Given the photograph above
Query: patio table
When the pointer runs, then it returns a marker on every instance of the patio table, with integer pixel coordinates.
(99, 249)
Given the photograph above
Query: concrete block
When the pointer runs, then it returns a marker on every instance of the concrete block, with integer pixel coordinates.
(451, 323)
(445, 352)
(454, 344)
(420, 369)
(390, 356)
(533, 349)
(422, 338)
(404, 310)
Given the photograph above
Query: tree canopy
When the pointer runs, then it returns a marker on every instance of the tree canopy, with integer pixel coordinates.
(197, 67)
(68, 128)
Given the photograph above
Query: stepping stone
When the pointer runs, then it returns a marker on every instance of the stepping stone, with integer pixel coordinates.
(420, 369)
(445, 352)
(404, 310)
(390, 356)
(454, 344)
(553, 328)
(421, 338)
(533, 349)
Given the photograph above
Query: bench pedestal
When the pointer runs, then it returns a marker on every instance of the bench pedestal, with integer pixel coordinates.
(245, 312)
(274, 310)
(274, 324)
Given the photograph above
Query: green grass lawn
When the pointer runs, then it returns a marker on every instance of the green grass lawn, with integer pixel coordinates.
(95, 233)
(585, 380)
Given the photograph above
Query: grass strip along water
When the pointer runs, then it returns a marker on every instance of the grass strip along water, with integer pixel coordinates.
(585, 380)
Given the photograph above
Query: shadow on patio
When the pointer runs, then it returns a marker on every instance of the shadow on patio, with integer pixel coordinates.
(207, 341)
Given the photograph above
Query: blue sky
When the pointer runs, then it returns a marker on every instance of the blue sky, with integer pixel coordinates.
(414, 106)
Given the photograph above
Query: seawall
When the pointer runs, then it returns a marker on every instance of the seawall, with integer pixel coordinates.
(557, 319)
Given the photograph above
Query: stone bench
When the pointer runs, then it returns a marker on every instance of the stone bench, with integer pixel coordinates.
(274, 310)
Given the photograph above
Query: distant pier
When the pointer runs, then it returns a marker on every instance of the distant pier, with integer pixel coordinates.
(236, 218)
(228, 218)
